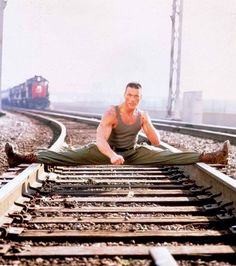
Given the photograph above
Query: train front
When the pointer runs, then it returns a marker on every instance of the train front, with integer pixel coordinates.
(38, 92)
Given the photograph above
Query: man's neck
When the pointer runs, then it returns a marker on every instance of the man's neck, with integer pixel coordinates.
(126, 110)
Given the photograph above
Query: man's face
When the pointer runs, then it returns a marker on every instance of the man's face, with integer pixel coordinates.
(132, 97)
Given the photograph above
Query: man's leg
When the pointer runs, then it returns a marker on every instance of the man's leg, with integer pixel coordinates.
(146, 154)
(88, 154)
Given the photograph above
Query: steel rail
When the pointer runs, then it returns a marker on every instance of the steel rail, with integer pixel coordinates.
(11, 191)
(219, 133)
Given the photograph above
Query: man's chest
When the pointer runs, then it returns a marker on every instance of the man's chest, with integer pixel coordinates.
(126, 120)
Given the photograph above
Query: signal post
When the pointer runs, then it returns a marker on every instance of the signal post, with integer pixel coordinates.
(2, 6)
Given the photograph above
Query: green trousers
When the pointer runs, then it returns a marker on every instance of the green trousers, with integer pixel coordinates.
(140, 155)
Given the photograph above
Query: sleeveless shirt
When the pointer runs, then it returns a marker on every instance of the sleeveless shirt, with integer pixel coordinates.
(125, 136)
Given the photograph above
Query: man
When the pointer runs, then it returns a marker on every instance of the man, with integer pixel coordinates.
(116, 142)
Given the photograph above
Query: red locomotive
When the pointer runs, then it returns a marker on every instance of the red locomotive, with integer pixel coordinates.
(33, 93)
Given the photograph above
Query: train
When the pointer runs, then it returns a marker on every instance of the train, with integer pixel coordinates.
(33, 94)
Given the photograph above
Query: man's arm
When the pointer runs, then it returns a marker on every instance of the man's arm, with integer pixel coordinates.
(150, 131)
(103, 133)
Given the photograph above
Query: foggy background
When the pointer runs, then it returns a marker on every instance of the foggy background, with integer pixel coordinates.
(89, 50)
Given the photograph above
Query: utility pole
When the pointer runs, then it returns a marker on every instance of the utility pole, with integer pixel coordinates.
(173, 105)
(3, 4)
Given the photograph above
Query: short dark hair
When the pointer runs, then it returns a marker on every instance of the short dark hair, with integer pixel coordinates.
(134, 85)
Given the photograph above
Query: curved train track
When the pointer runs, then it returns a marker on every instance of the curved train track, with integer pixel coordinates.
(117, 215)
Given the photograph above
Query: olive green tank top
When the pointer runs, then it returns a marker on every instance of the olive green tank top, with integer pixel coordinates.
(125, 136)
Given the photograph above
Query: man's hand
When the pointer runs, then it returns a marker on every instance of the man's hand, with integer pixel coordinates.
(117, 159)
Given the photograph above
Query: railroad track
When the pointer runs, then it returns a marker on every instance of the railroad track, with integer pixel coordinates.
(122, 215)
(219, 133)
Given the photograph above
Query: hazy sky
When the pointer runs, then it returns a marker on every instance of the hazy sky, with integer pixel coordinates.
(98, 46)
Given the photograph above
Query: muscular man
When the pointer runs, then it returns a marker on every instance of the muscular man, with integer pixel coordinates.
(118, 129)
(116, 142)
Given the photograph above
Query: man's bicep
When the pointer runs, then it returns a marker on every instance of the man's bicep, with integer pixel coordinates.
(150, 131)
(105, 127)
(104, 130)
(146, 122)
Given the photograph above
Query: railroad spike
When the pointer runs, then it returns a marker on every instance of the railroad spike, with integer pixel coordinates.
(233, 229)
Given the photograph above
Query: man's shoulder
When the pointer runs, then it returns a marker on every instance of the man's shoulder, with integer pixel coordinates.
(110, 113)
(143, 112)
(111, 110)
(144, 116)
